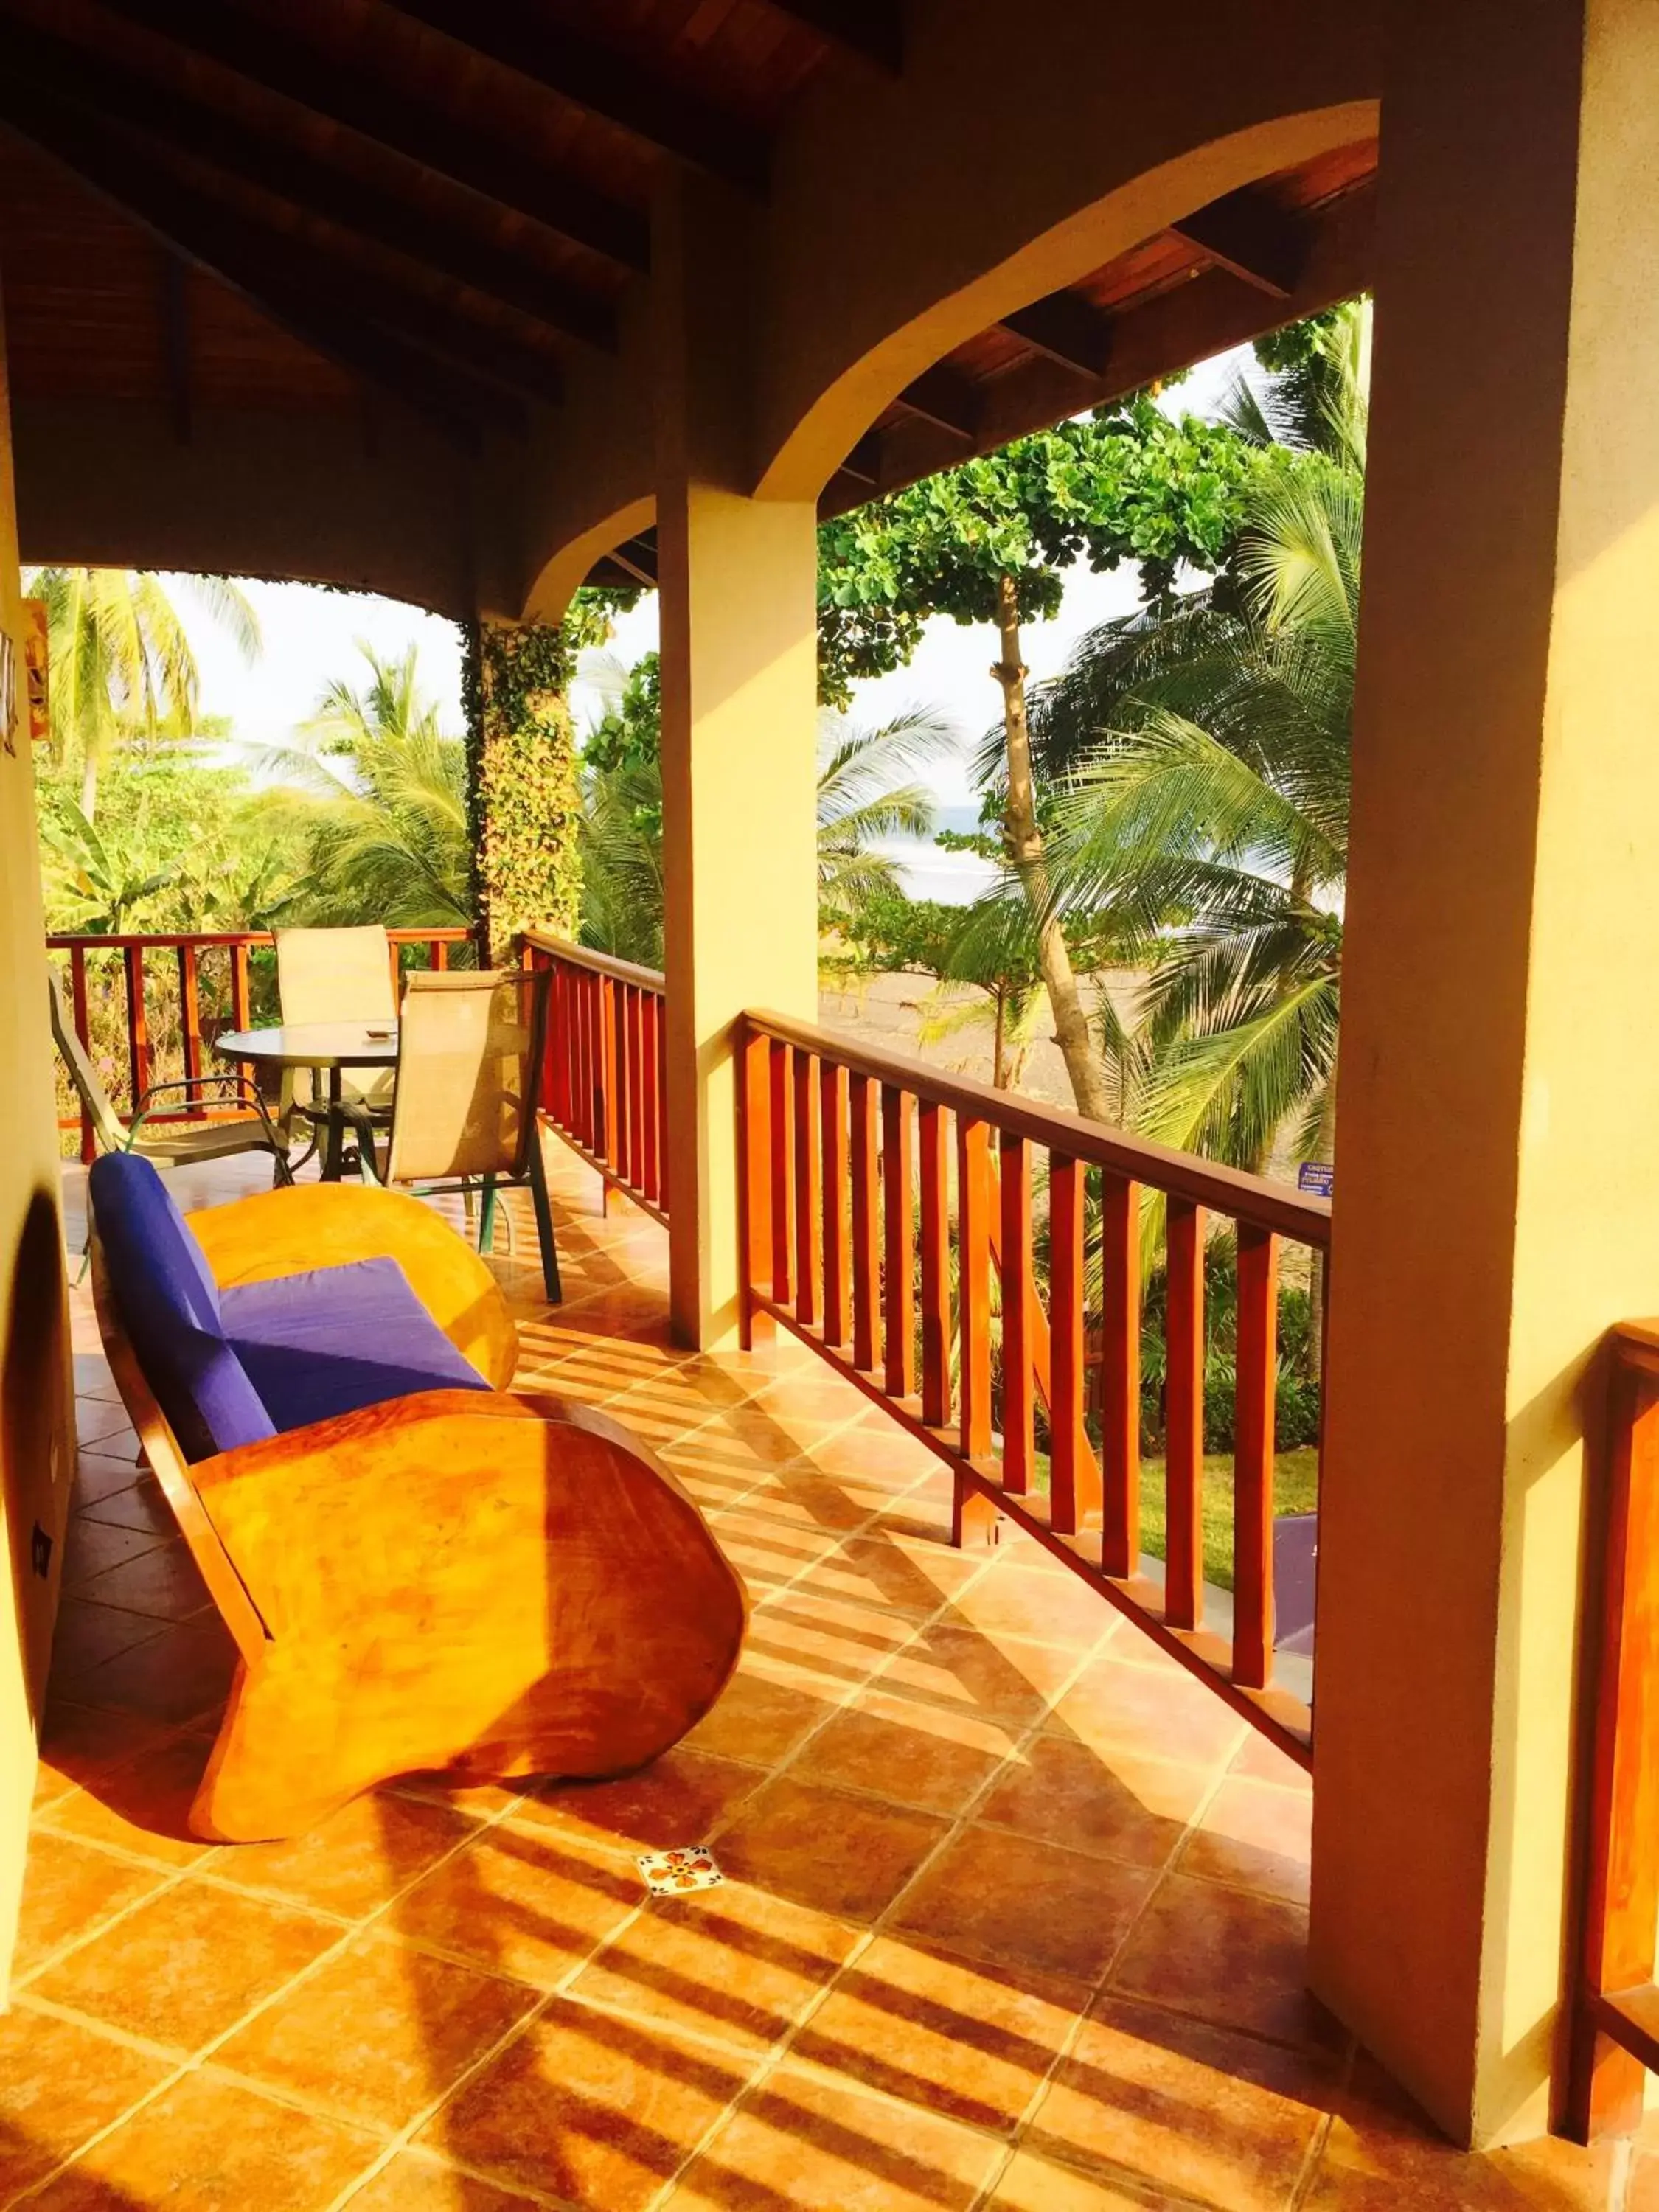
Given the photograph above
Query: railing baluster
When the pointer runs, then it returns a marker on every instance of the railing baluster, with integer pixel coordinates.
(837, 1287)
(755, 1106)
(1620, 1884)
(662, 1105)
(1019, 1295)
(973, 1282)
(809, 1189)
(650, 1115)
(635, 1088)
(83, 1030)
(241, 995)
(867, 1225)
(1074, 1478)
(1253, 1458)
(898, 1116)
(190, 1023)
(138, 1052)
(935, 1266)
(610, 1099)
(1183, 1416)
(1120, 1229)
(781, 1075)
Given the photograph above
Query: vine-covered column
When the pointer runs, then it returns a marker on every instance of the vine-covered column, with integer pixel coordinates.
(523, 802)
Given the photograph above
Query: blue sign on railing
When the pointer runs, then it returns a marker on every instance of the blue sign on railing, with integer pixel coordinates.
(1315, 1177)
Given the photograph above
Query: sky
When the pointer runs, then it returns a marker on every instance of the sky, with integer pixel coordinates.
(311, 638)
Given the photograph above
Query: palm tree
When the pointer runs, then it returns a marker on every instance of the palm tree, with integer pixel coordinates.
(866, 790)
(859, 801)
(1204, 820)
(378, 793)
(120, 662)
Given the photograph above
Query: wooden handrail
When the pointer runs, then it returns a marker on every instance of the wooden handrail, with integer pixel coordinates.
(852, 1242)
(151, 940)
(1249, 1199)
(601, 963)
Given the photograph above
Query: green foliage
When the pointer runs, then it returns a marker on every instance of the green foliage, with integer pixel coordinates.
(376, 794)
(177, 845)
(1124, 483)
(121, 665)
(524, 805)
(1204, 751)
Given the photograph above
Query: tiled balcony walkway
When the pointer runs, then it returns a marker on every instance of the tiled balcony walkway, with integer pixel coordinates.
(1013, 1915)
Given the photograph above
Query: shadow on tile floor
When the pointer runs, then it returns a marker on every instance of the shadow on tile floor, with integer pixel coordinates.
(1013, 1914)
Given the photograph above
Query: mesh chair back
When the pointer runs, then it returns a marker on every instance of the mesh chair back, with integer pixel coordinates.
(335, 975)
(469, 1051)
(112, 1136)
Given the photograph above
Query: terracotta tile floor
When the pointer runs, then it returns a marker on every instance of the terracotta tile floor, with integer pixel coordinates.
(1014, 1917)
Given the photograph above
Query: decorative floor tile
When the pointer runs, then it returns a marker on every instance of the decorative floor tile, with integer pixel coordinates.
(680, 1871)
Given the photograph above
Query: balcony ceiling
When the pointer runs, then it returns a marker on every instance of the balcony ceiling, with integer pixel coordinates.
(314, 206)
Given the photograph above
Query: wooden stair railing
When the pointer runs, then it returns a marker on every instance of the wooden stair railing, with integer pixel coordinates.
(1614, 2032)
(852, 1242)
(605, 1076)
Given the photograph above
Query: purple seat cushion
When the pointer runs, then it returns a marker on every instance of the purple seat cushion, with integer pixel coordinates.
(170, 1307)
(334, 1339)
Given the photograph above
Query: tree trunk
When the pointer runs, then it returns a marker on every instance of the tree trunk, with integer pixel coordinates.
(1082, 1063)
(997, 1082)
(89, 782)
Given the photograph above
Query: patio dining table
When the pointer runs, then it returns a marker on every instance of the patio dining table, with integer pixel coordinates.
(327, 1048)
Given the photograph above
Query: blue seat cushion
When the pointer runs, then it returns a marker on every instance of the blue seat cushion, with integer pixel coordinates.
(334, 1339)
(171, 1309)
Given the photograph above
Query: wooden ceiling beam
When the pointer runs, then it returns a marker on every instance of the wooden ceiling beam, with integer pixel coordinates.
(329, 319)
(484, 161)
(1251, 238)
(637, 559)
(863, 464)
(870, 29)
(945, 397)
(113, 95)
(1068, 329)
(520, 36)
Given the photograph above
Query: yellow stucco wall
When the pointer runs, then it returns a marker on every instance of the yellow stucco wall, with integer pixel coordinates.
(1498, 1196)
(36, 1426)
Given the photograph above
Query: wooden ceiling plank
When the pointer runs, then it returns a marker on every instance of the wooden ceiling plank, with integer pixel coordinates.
(175, 343)
(1068, 329)
(418, 130)
(944, 398)
(873, 30)
(205, 235)
(111, 95)
(520, 36)
(1251, 238)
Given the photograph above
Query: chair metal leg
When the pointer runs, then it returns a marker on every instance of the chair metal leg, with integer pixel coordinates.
(486, 1216)
(544, 1222)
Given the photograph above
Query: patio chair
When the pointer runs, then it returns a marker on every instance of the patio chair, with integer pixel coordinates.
(169, 1144)
(335, 975)
(420, 1570)
(464, 1110)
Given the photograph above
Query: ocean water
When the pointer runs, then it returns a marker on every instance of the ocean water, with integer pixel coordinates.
(928, 872)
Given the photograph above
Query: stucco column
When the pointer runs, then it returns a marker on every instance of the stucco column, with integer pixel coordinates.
(1497, 1205)
(739, 598)
(37, 1428)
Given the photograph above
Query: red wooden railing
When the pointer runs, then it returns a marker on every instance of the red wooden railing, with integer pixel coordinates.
(139, 956)
(1615, 2026)
(603, 1073)
(848, 1226)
